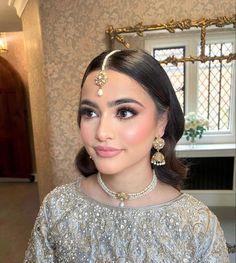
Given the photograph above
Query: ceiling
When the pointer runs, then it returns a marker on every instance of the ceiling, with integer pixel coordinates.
(9, 21)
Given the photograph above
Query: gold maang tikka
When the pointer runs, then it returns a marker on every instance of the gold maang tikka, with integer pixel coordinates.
(101, 78)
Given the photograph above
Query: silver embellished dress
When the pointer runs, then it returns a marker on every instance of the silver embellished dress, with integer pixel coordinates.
(72, 227)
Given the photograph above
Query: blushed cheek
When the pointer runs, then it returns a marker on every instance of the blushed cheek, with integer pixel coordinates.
(138, 134)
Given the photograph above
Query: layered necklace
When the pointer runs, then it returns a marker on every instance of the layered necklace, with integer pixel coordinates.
(122, 196)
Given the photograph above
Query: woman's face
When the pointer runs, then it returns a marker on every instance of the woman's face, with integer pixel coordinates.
(118, 128)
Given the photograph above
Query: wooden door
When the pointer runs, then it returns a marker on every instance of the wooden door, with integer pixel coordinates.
(15, 156)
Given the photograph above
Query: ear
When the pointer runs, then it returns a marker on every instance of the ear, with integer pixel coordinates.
(161, 124)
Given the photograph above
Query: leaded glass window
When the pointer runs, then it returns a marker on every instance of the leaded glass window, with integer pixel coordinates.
(176, 73)
(214, 87)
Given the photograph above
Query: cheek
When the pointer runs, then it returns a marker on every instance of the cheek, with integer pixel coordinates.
(85, 132)
(139, 133)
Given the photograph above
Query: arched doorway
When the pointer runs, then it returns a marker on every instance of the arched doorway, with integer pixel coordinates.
(15, 154)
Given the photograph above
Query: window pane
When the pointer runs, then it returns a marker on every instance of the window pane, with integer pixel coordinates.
(175, 73)
(214, 87)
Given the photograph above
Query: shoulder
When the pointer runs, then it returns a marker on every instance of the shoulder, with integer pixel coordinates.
(62, 200)
(191, 202)
(194, 207)
(197, 215)
(63, 193)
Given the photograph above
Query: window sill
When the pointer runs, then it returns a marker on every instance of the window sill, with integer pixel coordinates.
(204, 150)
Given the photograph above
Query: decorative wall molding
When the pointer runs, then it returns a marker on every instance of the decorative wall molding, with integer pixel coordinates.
(202, 24)
(19, 5)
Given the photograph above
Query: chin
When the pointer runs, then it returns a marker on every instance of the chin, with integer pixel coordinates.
(108, 169)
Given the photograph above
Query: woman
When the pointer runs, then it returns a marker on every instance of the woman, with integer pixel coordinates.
(128, 207)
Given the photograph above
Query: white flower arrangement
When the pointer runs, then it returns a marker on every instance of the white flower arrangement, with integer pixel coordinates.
(195, 126)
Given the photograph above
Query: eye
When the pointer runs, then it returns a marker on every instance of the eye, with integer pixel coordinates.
(126, 113)
(87, 113)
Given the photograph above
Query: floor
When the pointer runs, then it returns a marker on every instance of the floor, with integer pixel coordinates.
(19, 204)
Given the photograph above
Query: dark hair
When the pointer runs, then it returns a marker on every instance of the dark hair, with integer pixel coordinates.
(146, 70)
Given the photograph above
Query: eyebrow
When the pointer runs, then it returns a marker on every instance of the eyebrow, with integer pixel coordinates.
(111, 103)
(89, 103)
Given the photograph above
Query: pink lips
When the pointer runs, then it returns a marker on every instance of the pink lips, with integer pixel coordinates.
(104, 151)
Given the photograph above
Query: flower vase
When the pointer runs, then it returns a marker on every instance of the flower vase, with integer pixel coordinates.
(193, 142)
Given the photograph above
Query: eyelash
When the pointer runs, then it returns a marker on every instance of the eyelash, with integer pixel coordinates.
(126, 109)
(87, 113)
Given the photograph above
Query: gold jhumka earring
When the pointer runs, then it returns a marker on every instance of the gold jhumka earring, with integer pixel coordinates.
(101, 78)
(158, 158)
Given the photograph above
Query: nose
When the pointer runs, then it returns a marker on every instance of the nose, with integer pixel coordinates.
(104, 130)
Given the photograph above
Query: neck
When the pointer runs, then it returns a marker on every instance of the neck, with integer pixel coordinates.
(128, 182)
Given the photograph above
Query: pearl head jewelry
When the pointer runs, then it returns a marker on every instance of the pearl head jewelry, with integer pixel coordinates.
(101, 78)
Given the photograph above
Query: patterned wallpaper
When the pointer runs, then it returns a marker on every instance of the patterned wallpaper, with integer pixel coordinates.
(72, 34)
(38, 96)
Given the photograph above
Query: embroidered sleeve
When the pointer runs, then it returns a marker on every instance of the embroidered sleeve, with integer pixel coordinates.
(213, 247)
(40, 249)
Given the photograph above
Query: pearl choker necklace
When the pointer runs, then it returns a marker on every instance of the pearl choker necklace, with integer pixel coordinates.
(122, 196)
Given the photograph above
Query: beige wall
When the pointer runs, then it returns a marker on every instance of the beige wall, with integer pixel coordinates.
(72, 32)
(16, 53)
(38, 96)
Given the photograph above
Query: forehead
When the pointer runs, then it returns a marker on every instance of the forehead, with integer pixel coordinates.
(118, 85)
